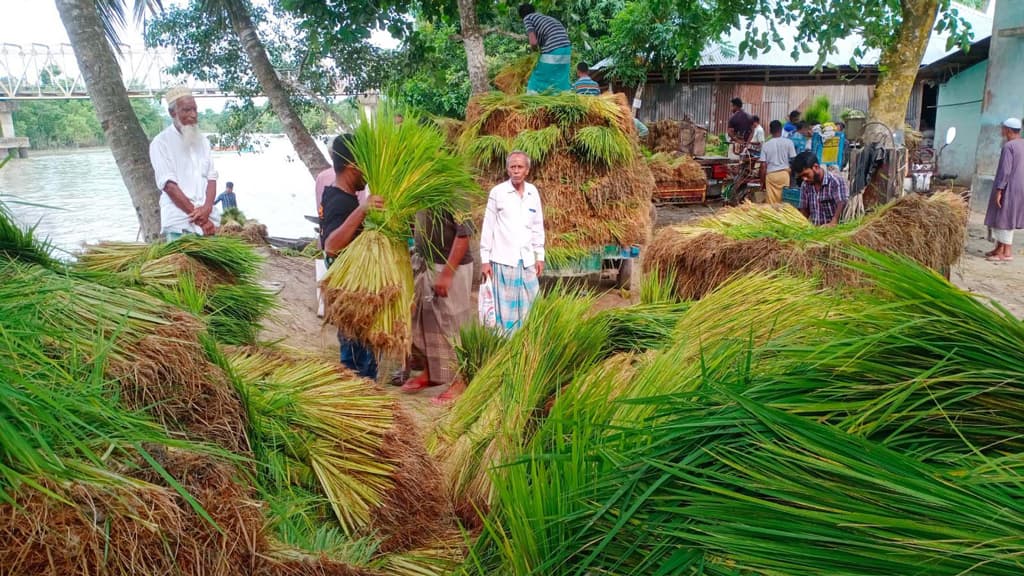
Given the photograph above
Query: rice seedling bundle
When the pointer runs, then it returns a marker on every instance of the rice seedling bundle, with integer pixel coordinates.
(585, 163)
(369, 287)
(477, 344)
(677, 171)
(21, 245)
(494, 418)
(758, 238)
(512, 78)
(321, 420)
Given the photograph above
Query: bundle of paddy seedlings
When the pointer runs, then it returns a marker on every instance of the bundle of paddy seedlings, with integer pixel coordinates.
(755, 237)
(213, 277)
(369, 287)
(585, 162)
(512, 78)
(476, 345)
(810, 433)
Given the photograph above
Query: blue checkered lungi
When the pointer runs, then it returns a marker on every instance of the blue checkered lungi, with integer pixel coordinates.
(515, 289)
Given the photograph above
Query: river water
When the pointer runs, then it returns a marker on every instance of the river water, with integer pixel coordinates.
(76, 197)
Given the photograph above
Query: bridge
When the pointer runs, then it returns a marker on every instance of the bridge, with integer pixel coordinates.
(50, 72)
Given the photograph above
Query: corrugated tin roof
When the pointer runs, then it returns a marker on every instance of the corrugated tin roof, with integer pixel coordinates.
(714, 55)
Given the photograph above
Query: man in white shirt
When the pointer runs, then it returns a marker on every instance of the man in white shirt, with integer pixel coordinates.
(512, 243)
(757, 138)
(775, 157)
(184, 169)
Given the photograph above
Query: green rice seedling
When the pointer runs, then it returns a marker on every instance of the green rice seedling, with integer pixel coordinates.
(490, 150)
(658, 286)
(305, 415)
(537, 144)
(512, 78)
(604, 145)
(22, 244)
(224, 253)
(563, 257)
(495, 417)
(642, 327)
(369, 285)
(235, 312)
(476, 345)
(818, 112)
(232, 215)
(917, 364)
(771, 492)
(115, 256)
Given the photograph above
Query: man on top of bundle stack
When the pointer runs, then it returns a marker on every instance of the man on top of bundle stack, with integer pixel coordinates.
(184, 170)
(548, 35)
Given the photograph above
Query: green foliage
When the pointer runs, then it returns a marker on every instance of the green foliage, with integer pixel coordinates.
(73, 123)
(489, 150)
(818, 111)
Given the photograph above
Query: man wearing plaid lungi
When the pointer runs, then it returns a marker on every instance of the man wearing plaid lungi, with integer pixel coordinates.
(512, 243)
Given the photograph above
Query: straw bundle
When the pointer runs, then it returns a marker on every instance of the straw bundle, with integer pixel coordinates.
(585, 163)
(512, 79)
(756, 238)
(369, 288)
(664, 135)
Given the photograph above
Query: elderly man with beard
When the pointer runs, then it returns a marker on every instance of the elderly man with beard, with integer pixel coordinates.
(184, 169)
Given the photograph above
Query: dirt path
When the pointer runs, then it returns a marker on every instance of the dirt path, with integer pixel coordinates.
(295, 323)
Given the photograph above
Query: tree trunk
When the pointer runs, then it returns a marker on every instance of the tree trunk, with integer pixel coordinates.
(305, 146)
(900, 62)
(473, 41)
(124, 133)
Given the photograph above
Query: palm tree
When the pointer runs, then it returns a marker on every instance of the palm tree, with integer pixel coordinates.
(92, 27)
(239, 16)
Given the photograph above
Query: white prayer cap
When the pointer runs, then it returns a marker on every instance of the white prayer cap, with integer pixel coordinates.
(1012, 123)
(177, 93)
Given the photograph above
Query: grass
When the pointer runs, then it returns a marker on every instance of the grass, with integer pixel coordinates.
(604, 145)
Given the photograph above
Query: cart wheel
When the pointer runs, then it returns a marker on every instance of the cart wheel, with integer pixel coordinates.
(624, 279)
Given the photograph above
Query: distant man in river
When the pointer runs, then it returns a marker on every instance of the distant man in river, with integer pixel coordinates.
(227, 198)
(547, 35)
(185, 174)
(1006, 204)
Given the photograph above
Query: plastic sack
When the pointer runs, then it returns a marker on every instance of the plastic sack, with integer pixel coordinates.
(485, 305)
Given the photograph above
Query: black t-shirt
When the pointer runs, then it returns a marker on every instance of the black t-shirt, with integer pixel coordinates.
(336, 206)
(742, 124)
(435, 235)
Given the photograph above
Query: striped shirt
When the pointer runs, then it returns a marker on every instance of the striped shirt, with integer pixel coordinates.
(550, 33)
(586, 86)
(821, 203)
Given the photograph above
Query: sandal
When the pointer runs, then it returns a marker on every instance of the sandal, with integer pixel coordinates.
(1000, 258)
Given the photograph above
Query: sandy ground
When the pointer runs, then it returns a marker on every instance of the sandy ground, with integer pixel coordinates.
(295, 323)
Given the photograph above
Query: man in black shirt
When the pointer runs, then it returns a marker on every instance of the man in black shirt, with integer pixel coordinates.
(342, 210)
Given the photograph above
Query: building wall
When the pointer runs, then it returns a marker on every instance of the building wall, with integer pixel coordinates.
(708, 104)
(959, 105)
(1004, 84)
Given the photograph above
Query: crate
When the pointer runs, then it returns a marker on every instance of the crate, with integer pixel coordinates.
(667, 195)
(791, 196)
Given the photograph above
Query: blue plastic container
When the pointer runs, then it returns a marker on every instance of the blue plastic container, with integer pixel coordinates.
(791, 196)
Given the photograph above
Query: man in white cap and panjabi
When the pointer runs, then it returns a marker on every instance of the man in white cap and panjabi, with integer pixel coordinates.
(1006, 204)
(184, 170)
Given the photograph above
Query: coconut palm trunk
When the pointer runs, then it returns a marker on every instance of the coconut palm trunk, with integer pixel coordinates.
(122, 129)
(273, 87)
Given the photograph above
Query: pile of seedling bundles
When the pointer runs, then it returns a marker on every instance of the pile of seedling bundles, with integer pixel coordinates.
(595, 188)
(146, 430)
(775, 426)
(368, 289)
(755, 237)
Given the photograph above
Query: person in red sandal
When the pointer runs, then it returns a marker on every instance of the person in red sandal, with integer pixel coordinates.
(443, 265)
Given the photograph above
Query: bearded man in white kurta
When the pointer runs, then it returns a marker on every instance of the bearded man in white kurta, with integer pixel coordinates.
(184, 170)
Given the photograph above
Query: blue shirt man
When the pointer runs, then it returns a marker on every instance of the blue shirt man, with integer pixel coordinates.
(227, 198)
(585, 85)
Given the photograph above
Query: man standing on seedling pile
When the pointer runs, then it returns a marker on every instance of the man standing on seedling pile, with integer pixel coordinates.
(342, 210)
(823, 195)
(443, 265)
(512, 243)
(184, 170)
(548, 35)
(1006, 205)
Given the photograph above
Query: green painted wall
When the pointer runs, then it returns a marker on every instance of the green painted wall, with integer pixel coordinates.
(959, 105)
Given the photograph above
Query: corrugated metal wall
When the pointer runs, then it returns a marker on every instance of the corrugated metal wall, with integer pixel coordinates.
(708, 104)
